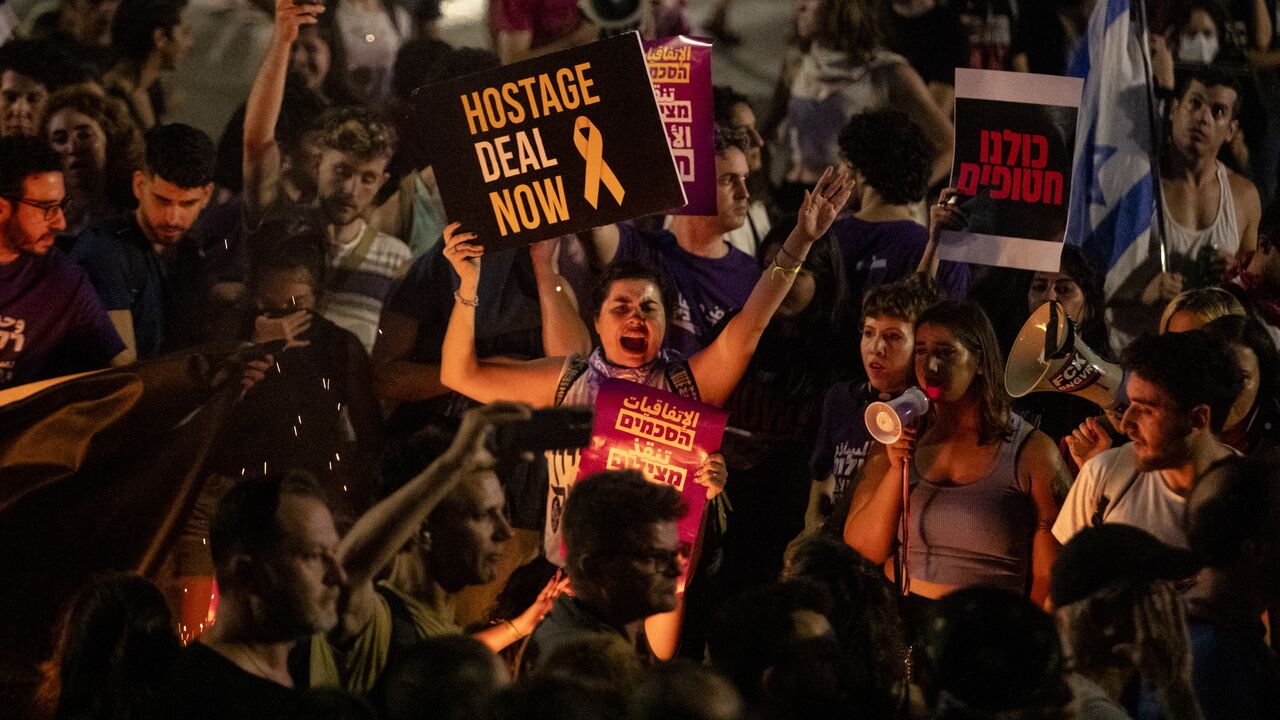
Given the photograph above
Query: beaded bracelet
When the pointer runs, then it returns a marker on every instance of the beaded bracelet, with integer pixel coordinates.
(464, 301)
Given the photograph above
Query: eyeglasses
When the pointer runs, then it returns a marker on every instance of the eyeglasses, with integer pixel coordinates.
(51, 209)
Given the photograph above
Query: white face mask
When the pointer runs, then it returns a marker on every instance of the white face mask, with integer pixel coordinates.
(1198, 48)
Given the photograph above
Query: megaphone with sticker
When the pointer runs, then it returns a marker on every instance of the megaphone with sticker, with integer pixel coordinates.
(1049, 356)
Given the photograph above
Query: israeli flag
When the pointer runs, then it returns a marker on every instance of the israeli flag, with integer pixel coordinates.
(1114, 189)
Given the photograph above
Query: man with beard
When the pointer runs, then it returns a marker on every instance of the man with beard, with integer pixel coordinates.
(51, 320)
(1180, 387)
(623, 559)
(355, 147)
(441, 530)
(275, 553)
(139, 263)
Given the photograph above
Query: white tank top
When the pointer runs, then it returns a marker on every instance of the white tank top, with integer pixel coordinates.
(1222, 233)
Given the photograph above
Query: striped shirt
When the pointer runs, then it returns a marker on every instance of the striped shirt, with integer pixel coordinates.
(363, 274)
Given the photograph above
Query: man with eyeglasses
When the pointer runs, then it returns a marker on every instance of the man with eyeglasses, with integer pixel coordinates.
(1211, 213)
(147, 273)
(51, 321)
(623, 559)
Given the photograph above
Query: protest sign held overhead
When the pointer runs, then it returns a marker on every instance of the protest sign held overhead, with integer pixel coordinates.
(553, 145)
(1014, 139)
(680, 69)
(664, 436)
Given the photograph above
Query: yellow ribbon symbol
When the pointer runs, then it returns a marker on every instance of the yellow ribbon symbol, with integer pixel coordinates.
(591, 147)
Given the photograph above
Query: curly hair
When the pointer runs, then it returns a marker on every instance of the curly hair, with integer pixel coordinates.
(125, 147)
(135, 22)
(356, 131)
(904, 300)
(727, 137)
(723, 100)
(1192, 368)
(891, 151)
(181, 155)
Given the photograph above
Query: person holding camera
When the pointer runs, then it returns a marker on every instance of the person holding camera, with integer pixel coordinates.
(442, 529)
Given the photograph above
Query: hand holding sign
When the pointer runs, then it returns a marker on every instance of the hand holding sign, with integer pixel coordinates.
(712, 474)
(464, 255)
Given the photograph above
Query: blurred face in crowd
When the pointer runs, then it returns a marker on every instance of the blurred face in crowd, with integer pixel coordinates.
(89, 21)
(1046, 286)
(347, 184)
(31, 220)
(945, 368)
(731, 189)
(642, 581)
(1160, 431)
(888, 344)
(1203, 119)
(303, 163)
(286, 290)
(310, 56)
(166, 211)
(803, 288)
(1247, 359)
(21, 104)
(173, 45)
(468, 533)
(806, 14)
(743, 120)
(80, 141)
(1198, 42)
(632, 322)
(299, 581)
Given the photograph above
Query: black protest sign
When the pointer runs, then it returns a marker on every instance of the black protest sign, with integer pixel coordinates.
(553, 145)
(1014, 144)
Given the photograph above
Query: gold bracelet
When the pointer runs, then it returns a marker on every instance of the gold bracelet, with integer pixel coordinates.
(778, 269)
(783, 250)
(469, 303)
(514, 632)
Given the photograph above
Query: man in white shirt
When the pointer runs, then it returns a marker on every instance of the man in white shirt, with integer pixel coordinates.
(1180, 387)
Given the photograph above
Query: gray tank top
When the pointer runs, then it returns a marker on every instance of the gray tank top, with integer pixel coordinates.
(978, 534)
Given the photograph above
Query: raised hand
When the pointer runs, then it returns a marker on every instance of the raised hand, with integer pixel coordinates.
(530, 618)
(469, 449)
(946, 215)
(290, 17)
(1087, 441)
(543, 253)
(823, 204)
(463, 254)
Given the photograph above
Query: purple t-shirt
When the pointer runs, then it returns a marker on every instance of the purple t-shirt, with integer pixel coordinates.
(843, 444)
(878, 253)
(51, 320)
(706, 289)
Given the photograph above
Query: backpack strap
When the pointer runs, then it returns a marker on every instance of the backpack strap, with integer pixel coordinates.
(680, 378)
(575, 366)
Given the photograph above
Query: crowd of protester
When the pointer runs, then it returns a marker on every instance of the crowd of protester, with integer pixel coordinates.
(374, 553)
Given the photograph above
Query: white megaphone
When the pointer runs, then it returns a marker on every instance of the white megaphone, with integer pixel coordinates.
(885, 420)
(1049, 356)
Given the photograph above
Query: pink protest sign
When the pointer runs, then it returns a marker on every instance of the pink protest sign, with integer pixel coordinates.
(664, 436)
(680, 68)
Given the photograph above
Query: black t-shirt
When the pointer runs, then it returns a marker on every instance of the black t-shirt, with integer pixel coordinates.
(935, 44)
(207, 685)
